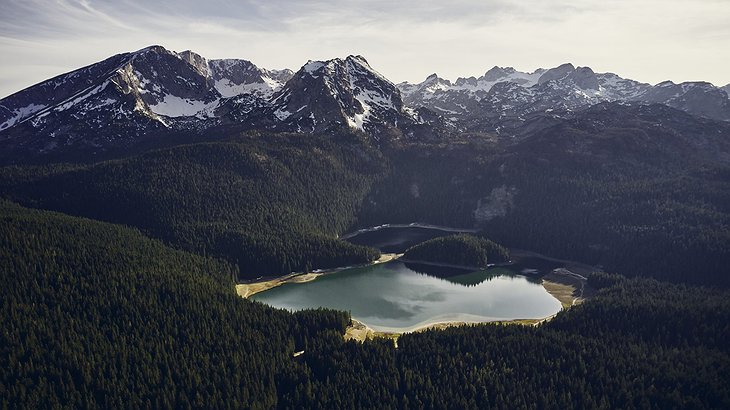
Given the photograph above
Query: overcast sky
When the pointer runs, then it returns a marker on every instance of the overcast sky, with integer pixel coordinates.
(406, 40)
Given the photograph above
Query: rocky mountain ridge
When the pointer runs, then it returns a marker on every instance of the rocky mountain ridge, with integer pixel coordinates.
(504, 93)
(135, 98)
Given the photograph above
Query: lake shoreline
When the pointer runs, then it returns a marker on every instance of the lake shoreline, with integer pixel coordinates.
(246, 290)
(565, 285)
(568, 287)
(411, 225)
(359, 331)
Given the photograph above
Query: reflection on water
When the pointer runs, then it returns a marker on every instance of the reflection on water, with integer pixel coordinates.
(464, 277)
(535, 265)
(396, 297)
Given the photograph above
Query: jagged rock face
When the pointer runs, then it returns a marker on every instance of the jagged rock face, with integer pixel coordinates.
(167, 84)
(558, 73)
(126, 99)
(154, 92)
(495, 101)
(132, 98)
(585, 78)
(425, 90)
(119, 101)
(281, 76)
(198, 62)
(497, 73)
(700, 98)
(236, 77)
(726, 89)
(340, 92)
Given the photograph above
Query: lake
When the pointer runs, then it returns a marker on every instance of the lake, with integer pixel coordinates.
(397, 297)
(400, 297)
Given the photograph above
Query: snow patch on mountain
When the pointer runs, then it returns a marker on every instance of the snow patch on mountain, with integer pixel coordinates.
(81, 97)
(22, 113)
(174, 106)
(235, 77)
(313, 66)
(228, 88)
(282, 114)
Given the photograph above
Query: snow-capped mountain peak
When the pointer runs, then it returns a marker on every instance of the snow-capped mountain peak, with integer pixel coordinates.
(348, 89)
(503, 92)
(128, 95)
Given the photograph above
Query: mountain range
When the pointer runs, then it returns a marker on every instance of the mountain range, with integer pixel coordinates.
(153, 95)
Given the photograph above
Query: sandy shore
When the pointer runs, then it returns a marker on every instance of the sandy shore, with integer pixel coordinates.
(567, 287)
(564, 285)
(246, 290)
(360, 332)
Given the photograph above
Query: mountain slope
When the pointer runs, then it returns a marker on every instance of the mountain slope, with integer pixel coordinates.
(127, 100)
(270, 203)
(641, 190)
(156, 97)
(342, 92)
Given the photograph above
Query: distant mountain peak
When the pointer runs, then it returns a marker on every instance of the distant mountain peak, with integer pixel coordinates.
(726, 89)
(557, 73)
(358, 58)
(155, 48)
(505, 93)
(496, 73)
(129, 95)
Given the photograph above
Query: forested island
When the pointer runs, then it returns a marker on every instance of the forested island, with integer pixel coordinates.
(459, 250)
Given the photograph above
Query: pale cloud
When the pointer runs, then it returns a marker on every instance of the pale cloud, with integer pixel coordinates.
(406, 40)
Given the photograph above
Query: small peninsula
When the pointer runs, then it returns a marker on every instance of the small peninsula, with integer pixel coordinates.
(459, 250)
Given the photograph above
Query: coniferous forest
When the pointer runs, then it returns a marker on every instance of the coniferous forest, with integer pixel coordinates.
(270, 204)
(462, 249)
(97, 315)
(118, 277)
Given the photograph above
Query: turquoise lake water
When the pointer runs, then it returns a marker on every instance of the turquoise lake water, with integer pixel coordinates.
(399, 297)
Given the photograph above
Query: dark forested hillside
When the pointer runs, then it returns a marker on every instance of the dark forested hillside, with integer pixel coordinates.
(97, 315)
(463, 250)
(636, 190)
(269, 203)
(641, 190)
(639, 344)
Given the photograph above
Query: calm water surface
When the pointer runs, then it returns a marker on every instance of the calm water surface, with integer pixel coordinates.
(398, 297)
